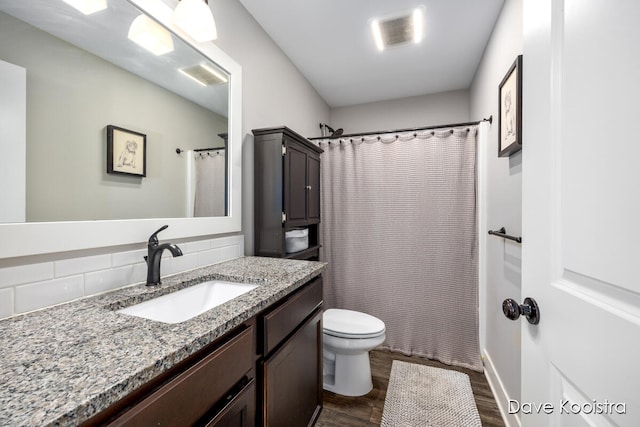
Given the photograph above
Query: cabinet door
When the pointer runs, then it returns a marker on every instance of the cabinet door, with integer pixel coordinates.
(313, 188)
(240, 412)
(295, 183)
(292, 381)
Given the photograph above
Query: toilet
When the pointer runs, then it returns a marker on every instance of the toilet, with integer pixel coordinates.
(348, 336)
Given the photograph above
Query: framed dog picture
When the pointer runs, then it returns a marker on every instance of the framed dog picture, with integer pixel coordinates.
(510, 111)
(126, 151)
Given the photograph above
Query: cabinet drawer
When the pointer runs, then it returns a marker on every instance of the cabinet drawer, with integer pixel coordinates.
(280, 322)
(187, 397)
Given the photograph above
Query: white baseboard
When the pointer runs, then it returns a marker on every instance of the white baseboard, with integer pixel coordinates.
(499, 392)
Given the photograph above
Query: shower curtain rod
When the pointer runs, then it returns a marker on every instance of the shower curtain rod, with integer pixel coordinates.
(180, 150)
(210, 149)
(490, 120)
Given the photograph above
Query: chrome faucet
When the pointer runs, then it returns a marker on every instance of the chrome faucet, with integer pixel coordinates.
(154, 255)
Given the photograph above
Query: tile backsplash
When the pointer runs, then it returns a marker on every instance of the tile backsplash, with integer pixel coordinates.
(31, 287)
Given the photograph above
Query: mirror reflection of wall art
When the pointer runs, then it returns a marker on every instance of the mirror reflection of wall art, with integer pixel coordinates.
(126, 151)
(510, 111)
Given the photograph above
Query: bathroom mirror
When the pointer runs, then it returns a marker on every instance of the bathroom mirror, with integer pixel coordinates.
(81, 81)
(84, 73)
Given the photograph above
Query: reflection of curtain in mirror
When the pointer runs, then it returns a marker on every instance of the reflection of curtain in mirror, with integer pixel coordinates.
(210, 183)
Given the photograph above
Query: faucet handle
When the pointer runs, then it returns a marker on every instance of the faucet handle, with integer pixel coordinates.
(154, 237)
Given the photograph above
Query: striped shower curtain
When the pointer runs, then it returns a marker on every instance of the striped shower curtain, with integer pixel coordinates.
(399, 232)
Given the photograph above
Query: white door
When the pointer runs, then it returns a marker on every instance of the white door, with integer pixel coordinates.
(581, 212)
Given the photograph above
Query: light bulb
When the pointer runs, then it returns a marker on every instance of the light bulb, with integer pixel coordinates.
(150, 35)
(195, 18)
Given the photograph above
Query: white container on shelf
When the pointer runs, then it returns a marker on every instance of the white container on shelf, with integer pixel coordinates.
(296, 240)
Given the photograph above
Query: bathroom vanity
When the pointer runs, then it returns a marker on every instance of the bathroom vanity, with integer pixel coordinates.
(255, 360)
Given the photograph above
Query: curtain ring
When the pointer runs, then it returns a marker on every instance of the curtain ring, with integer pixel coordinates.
(415, 134)
(451, 131)
(433, 133)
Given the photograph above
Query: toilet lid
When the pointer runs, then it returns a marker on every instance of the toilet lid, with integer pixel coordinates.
(351, 324)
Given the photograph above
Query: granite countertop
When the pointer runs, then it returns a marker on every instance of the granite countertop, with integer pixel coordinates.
(62, 365)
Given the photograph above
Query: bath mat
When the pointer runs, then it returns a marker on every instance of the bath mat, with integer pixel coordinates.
(423, 396)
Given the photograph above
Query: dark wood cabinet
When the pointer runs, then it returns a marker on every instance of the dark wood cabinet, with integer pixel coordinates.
(215, 383)
(291, 378)
(287, 191)
(290, 372)
(238, 412)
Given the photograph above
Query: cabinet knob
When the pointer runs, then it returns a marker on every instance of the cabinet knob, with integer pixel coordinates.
(308, 187)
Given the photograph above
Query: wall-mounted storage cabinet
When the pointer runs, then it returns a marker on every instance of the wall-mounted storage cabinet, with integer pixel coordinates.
(287, 191)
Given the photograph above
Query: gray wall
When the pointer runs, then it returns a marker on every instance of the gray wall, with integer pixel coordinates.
(71, 97)
(503, 208)
(274, 93)
(425, 110)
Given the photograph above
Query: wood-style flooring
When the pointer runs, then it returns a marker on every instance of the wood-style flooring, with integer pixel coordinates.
(342, 411)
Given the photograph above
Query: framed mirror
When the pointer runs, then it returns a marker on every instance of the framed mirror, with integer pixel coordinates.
(84, 76)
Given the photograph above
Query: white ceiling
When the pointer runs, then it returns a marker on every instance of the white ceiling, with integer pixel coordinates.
(331, 44)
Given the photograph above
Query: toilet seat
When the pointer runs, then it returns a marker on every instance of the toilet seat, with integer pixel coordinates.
(351, 324)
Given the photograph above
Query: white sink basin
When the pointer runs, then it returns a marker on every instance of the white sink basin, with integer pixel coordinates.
(187, 303)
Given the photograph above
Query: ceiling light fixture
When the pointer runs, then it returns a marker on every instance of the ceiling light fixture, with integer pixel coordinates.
(87, 7)
(204, 75)
(418, 25)
(399, 28)
(377, 35)
(195, 18)
(150, 35)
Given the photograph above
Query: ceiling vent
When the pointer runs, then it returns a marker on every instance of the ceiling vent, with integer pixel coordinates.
(398, 29)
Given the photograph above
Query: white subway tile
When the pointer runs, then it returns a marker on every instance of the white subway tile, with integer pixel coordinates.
(191, 247)
(226, 241)
(69, 267)
(11, 276)
(139, 273)
(106, 280)
(166, 266)
(6, 303)
(217, 255)
(120, 259)
(184, 263)
(45, 284)
(43, 294)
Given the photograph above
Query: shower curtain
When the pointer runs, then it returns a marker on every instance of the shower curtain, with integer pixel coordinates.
(210, 183)
(399, 234)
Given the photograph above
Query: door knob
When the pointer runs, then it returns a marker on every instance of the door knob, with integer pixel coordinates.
(512, 310)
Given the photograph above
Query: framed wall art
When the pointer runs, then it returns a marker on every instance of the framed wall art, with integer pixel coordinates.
(126, 152)
(510, 111)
